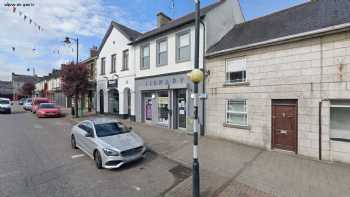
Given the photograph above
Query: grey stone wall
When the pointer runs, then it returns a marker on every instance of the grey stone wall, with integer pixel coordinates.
(310, 71)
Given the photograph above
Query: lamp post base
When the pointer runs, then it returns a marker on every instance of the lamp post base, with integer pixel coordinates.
(195, 178)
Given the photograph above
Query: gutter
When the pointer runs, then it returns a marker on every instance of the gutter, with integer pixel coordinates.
(285, 39)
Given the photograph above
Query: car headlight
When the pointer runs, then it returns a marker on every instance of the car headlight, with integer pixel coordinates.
(110, 152)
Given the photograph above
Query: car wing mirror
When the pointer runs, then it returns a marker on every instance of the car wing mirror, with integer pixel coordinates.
(88, 135)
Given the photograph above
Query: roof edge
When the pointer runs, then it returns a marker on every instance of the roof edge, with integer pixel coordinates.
(285, 39)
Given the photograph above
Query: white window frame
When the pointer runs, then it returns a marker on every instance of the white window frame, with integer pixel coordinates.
(236, 112)
(103, 66)
(125, 65)
(142, 64)
(243, 61)
(158, 42)
(113, 63)
(177, 53)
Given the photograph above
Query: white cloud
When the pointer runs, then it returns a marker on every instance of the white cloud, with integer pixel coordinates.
(83, 18)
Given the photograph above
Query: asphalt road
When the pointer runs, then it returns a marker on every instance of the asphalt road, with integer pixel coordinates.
(36, 160)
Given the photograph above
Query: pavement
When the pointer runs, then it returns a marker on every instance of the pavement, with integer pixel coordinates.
(36, 160)
(230, 169)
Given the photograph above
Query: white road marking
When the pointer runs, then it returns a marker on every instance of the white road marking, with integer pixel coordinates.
(37, 126)
(137, 188)
(77, 156)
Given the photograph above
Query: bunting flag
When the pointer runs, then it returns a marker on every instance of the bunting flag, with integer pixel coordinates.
(25, 17)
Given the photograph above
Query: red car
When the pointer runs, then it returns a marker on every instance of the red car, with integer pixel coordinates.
(37, 101)
(46, 110)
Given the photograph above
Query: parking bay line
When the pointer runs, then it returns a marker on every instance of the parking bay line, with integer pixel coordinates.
(77, 156)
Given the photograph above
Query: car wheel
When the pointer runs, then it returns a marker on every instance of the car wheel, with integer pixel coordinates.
(73, 142)
(98, 160)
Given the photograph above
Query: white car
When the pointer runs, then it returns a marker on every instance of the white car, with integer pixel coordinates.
(5, 105)
(108, 142)
(27, 104)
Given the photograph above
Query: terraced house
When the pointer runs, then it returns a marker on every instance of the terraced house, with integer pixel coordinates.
(282, 81)
(152, 86)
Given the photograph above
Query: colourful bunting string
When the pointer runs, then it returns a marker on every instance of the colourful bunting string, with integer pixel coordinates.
(30, 20)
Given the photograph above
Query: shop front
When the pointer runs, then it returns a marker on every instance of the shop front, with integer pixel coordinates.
(165, 101)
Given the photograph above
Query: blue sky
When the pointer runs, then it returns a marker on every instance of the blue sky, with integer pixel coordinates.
(87, 19)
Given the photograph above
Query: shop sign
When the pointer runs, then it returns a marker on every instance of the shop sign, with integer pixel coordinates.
(112, 84)
(168, 81)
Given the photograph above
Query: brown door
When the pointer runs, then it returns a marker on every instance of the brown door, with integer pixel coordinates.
(284, 124)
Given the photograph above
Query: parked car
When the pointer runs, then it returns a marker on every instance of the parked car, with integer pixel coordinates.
(110, 143)
(28, 104)
(46, 110)
(37, 101)
(21, 101)
(5, 105)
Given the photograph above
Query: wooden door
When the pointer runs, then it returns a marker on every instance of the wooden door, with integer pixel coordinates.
(285, 125)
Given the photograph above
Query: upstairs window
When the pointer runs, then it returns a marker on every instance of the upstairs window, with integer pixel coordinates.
(236, 112)
(113, 63)
(145, 60)
(162, 52)
(339, 123)
(125, 65)
(183, 46)
(236, 70)
(103, 66)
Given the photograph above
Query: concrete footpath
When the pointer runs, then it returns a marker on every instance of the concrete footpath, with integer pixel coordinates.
(229, 169)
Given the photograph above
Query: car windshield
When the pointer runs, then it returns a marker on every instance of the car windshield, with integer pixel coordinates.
(109, 129)
(4, 102)
(29, 100)
(47, 106)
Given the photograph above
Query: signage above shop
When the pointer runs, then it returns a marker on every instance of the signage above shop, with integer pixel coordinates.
(112, 83)
(168, 81)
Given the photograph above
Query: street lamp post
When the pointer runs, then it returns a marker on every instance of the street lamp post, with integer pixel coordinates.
(196, 76)
(67, 41)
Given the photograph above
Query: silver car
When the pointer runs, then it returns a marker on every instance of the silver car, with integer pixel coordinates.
(110, 143)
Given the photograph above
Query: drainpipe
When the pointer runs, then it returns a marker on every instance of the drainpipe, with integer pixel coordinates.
(202, 130)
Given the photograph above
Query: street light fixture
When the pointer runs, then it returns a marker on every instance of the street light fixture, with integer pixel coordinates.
(67, 40)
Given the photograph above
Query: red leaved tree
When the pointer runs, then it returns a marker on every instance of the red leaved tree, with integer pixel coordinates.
(28, 88)
(74, 81)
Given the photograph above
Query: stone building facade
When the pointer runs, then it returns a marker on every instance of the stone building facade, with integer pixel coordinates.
(291, 93)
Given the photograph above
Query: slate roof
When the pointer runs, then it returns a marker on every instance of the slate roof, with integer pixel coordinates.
(175, 23)
(126, 31)
(310, 16)
(129, 33)
(24, 78)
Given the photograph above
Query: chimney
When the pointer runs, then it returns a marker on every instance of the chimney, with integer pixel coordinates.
(162, 19)
(93, 51)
